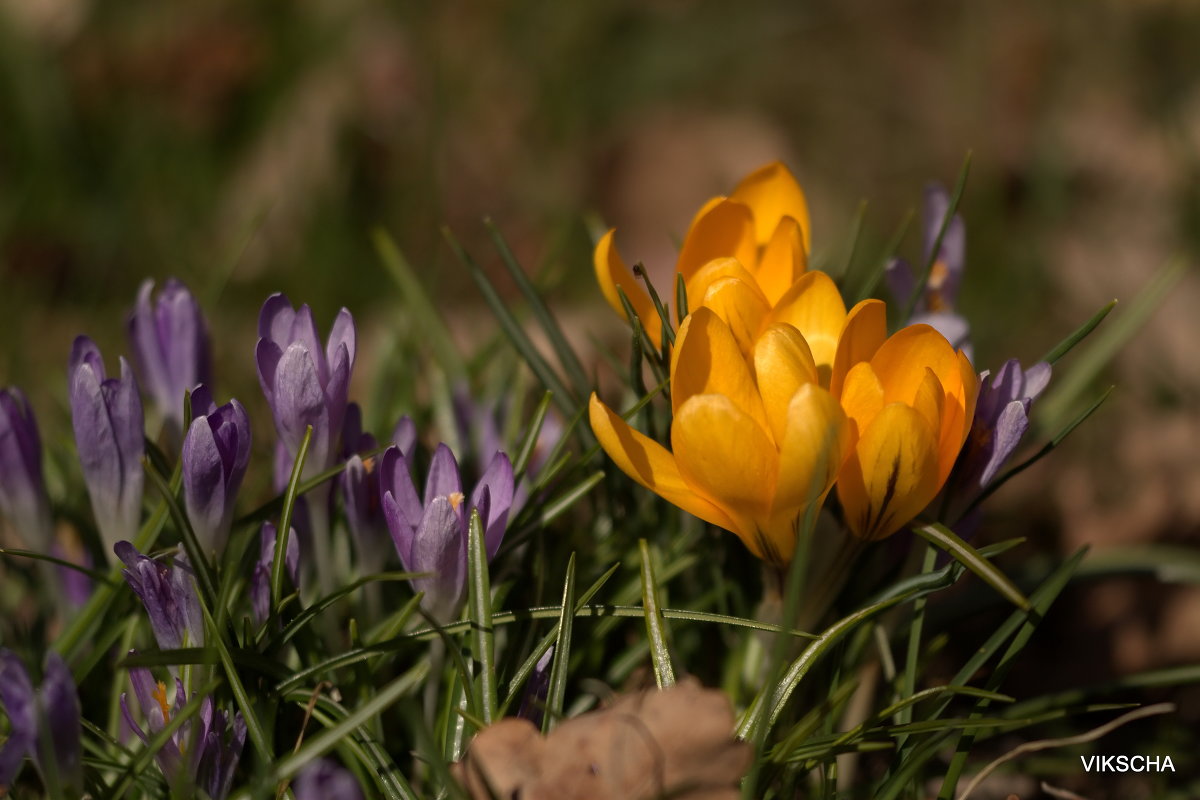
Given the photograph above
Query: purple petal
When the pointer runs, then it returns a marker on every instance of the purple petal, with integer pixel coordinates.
(341, 334)
(204, 485)
(1010, 427)
(439, 546)
(404, 436)
(202, 401)
(266, 356)
(953, 250)
(17, 697)
(60, 704)
(299, 402)
(275, 320)
(304, 332)
(1037, 378)
(324, 780)
(443, 479)
(395, 479)
(498, 481)
(22, 490)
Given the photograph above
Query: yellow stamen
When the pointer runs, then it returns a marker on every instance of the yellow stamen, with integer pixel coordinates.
(456, 499)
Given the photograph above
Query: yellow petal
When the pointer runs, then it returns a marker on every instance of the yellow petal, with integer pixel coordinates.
(713, 271)
(722, 229)
(957, 414)
(900, 362)
(649, 463)
(772, 194)
(783, 260)
(707, 360)
(782, 364)
(862, 334)
(611, 272)
(741, 306)
(812, 449)
(929, 400)
(722, 453)
(814, 307)
(862, 396)
(891, 474)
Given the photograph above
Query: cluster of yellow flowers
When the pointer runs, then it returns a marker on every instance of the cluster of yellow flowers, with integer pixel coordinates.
(777, 392)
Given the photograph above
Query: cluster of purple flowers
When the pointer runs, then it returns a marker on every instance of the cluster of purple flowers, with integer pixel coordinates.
(306, 385)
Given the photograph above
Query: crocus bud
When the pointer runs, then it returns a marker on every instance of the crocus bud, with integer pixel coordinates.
(44, 725)
(260, 581)
(216, 451)
(324, 780)
(169, 342)
(431, 534)
(305, 384)
(360, 485)
(22, 492)
(203, 752)
(107, 417)
(168, 591)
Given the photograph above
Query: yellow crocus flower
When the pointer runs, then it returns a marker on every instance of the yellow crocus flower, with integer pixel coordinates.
(755, 440)
(910, 399)
(759, 234)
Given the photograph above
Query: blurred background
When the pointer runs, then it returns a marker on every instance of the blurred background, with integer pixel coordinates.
(247, 150)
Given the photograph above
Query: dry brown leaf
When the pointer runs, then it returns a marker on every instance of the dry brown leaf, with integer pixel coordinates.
(677, 742)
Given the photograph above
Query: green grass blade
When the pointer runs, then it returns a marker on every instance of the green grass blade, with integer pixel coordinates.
(557, 691)
(563, 398)
(656, 627)
(95, 574)
(287, 767)
(562, 348)
(254, 728)
(480, 598)
(308, 614)
(523, 672)
(668, 332)
(937, 534)
(528, 444)
(872, 278)
(418, 304)
(1056, 407)
(955, 198)
(1079, 334)
(1027, 623)
(284, 531)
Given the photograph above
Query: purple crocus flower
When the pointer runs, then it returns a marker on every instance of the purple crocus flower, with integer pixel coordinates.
(107, 416)
(169, 342)
(44, 725)
(22, 491)
(935, 304)
(260, 581)
(324, 780)
(216, 451)
(360, 485)
(305, 384)
(430, 534)
(1001, 418)
(168, 591)
(204, 752)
